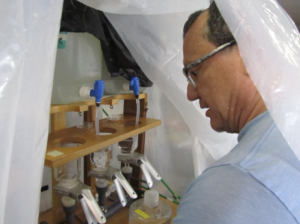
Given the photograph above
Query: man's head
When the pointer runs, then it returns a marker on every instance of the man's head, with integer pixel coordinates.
(221, 82)
(217, 30)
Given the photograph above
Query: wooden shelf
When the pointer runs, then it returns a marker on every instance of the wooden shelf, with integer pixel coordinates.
(83, 106)
(90, 142)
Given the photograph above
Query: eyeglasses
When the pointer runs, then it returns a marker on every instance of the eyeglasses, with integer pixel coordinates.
(185, 70)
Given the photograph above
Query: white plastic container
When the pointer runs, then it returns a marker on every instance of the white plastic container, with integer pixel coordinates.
(118, 85)
(78, 63)
(150, 209)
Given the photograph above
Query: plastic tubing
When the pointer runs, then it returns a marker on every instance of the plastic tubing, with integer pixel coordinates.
(97, 118)
(137, 111)
(137, 119)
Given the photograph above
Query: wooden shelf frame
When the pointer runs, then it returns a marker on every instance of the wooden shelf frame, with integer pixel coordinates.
(84, 105)
(90, 142)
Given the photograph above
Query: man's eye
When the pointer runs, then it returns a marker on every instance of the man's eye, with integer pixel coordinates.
(193, 73)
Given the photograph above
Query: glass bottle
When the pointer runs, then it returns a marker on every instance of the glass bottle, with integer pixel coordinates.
(102, 158)
(68, 174)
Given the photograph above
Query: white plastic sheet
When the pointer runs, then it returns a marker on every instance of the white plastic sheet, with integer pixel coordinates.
(28, 39)
(184, 144)
(156, 44)
(270, 47)
(145, 7)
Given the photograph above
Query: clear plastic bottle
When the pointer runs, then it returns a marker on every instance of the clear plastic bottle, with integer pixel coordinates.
(78, 63)
(150, 209)
(118, 85)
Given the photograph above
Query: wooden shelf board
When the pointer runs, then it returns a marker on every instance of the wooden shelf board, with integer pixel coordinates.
(91, 142)
(83, 105)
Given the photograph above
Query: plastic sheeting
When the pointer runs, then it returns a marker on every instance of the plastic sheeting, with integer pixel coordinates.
(159, 54)
(184, 144)
(268, 42)
(270, 47)
(28, 39)
(146, 7)
(77, 17)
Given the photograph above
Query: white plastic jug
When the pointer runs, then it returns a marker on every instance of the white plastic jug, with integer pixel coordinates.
(118, 85)
(78, 63)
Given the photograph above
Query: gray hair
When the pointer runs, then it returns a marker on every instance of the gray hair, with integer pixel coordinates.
(218, 32)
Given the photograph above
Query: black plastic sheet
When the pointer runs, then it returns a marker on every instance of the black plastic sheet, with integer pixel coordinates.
(77, 17)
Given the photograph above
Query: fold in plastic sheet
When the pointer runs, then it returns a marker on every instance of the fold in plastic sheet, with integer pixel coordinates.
(268, 42)
(184, 145)
(169, 146)
(155, 41)
(28, 40)
(78, 17)
(146, 7)
(270, 47)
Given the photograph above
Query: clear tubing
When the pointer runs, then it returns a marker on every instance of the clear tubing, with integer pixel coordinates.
(78, 167)
(97, 118)
(137, 111)
(135, 138)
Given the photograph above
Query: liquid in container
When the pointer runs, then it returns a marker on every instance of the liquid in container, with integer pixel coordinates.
(150, 210)
(78, 63)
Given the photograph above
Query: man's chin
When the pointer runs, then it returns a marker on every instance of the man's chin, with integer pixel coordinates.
(216, 128)
(219, 130)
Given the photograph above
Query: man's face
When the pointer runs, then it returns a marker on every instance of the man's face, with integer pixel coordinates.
(218, 79)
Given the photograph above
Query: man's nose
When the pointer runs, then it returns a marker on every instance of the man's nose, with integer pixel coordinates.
(192, 93)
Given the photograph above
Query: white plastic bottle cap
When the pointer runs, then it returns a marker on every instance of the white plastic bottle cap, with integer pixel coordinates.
(101, 183)
(67, 201)
(85, 91)
(126, 169)
(151, 198)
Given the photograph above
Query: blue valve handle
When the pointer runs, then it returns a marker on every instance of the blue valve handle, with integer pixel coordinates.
(98, 91)
(135, 86)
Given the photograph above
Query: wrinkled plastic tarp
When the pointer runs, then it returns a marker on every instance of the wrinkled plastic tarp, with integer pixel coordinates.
(77, 17)
(146, 7)
(28, 41)
(270, 47)
(268, 42)
(184, 145)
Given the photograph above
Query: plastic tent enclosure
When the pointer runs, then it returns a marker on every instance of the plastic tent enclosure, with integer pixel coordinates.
(152, 31)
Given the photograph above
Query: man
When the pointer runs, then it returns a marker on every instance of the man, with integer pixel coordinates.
(259, 180)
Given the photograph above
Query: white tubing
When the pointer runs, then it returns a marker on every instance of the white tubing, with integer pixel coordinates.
(137, 111)
(97, 118)
(137, 118)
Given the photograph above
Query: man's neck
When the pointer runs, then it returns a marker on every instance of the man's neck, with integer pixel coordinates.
(247, 115)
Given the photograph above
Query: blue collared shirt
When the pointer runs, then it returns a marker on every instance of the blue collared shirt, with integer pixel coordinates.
(257, 182)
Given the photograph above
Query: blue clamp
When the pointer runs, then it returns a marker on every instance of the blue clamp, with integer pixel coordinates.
(98, 91)
(135, 86)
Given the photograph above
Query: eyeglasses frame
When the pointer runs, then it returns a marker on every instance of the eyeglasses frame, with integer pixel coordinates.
(186, 69)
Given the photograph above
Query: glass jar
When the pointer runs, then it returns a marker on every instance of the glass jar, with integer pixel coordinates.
(69, 173)
(102, 158)
(126, 145)
(150, 210)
